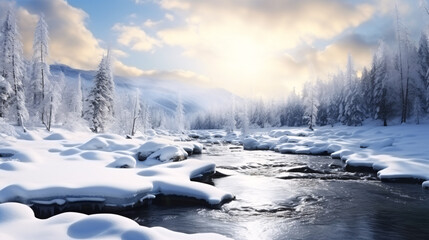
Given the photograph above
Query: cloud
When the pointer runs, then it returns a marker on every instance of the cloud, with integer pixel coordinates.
(150, 23)
(119, 53)
(71, 42)
(169, 17)
(126, 71)
(135, 38)
(308, 63)
(177, 75)
(243, 43)
(26, 24)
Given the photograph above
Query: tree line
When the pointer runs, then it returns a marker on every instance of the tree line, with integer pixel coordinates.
(395, 85)
(31, 95)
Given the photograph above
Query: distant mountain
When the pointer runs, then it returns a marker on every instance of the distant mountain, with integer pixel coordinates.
(157, 93)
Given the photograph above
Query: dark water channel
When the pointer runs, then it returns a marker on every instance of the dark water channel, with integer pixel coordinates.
(298, 197)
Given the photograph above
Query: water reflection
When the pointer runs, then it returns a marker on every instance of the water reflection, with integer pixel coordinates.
(268, 207)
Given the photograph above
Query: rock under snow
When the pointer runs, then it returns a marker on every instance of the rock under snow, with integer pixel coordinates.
(17, 221)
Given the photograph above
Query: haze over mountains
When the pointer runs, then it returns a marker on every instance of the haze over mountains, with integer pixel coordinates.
(160, 93)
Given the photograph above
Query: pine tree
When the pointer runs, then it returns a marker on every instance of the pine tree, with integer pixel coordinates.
(311, 105)
(53, 100)
(369, 97)
(5, 93)
(40, 68)
(101, 98)
(423, 70)
(245, 121)
(335, 100)
(136, 113)
(230, 118)
(427, 92)
(145, 117)
(418, 110)
(179, 114)
(353, 111)
(423, 56)
(76, 102)
(366, 87)
(322, 99)
(382, 103)
(110, 84)
(12, 69)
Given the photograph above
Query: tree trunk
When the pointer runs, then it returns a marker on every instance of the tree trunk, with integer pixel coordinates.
(15, 88)
(403, 118)
(133, 131)
(48, 124)
(43, 82)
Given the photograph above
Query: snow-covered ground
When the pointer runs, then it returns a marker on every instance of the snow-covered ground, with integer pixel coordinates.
(397, 153)
(62, 167)
(17, 221)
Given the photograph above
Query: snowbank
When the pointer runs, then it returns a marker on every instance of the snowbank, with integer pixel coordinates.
(64, 167)
(17, 221)
(398, 153)
(165, 150)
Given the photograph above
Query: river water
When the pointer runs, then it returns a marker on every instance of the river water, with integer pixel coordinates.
(282, 196)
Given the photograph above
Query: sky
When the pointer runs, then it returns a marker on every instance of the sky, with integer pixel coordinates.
(253, 48)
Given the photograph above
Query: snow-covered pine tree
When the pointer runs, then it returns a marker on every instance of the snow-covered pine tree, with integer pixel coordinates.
(179, 115)
(403, 65)
(335, 99)
(136, 113)
(40, 69)
(293, 111)
(145, 117)
(355, 113)
(230, 118)
(101, 97)
(382, 103)
(366, 86)
(244, 121)
(416, 86)
(273, 114)
(423, 60)
(53, 101)
(311, 104)
(418, 110)
(322, 99)
(76, 103)
(353, 110)
(427, 92)
(370, 94)
(58, 85)
(110, 83)
(12, 68)
(5, 93)
(72, 103)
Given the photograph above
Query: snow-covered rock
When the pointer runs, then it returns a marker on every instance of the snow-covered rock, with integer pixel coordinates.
(169, 154)
(99, 168)
(17, 221)
(148, 148)
(167, 151)
(398, 153)
(250, 144)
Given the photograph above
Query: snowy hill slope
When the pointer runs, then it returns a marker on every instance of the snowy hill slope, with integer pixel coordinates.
(158, 93)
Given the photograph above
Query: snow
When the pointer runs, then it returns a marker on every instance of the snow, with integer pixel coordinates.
(65, 166)
(396, 153)
(15, 217)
